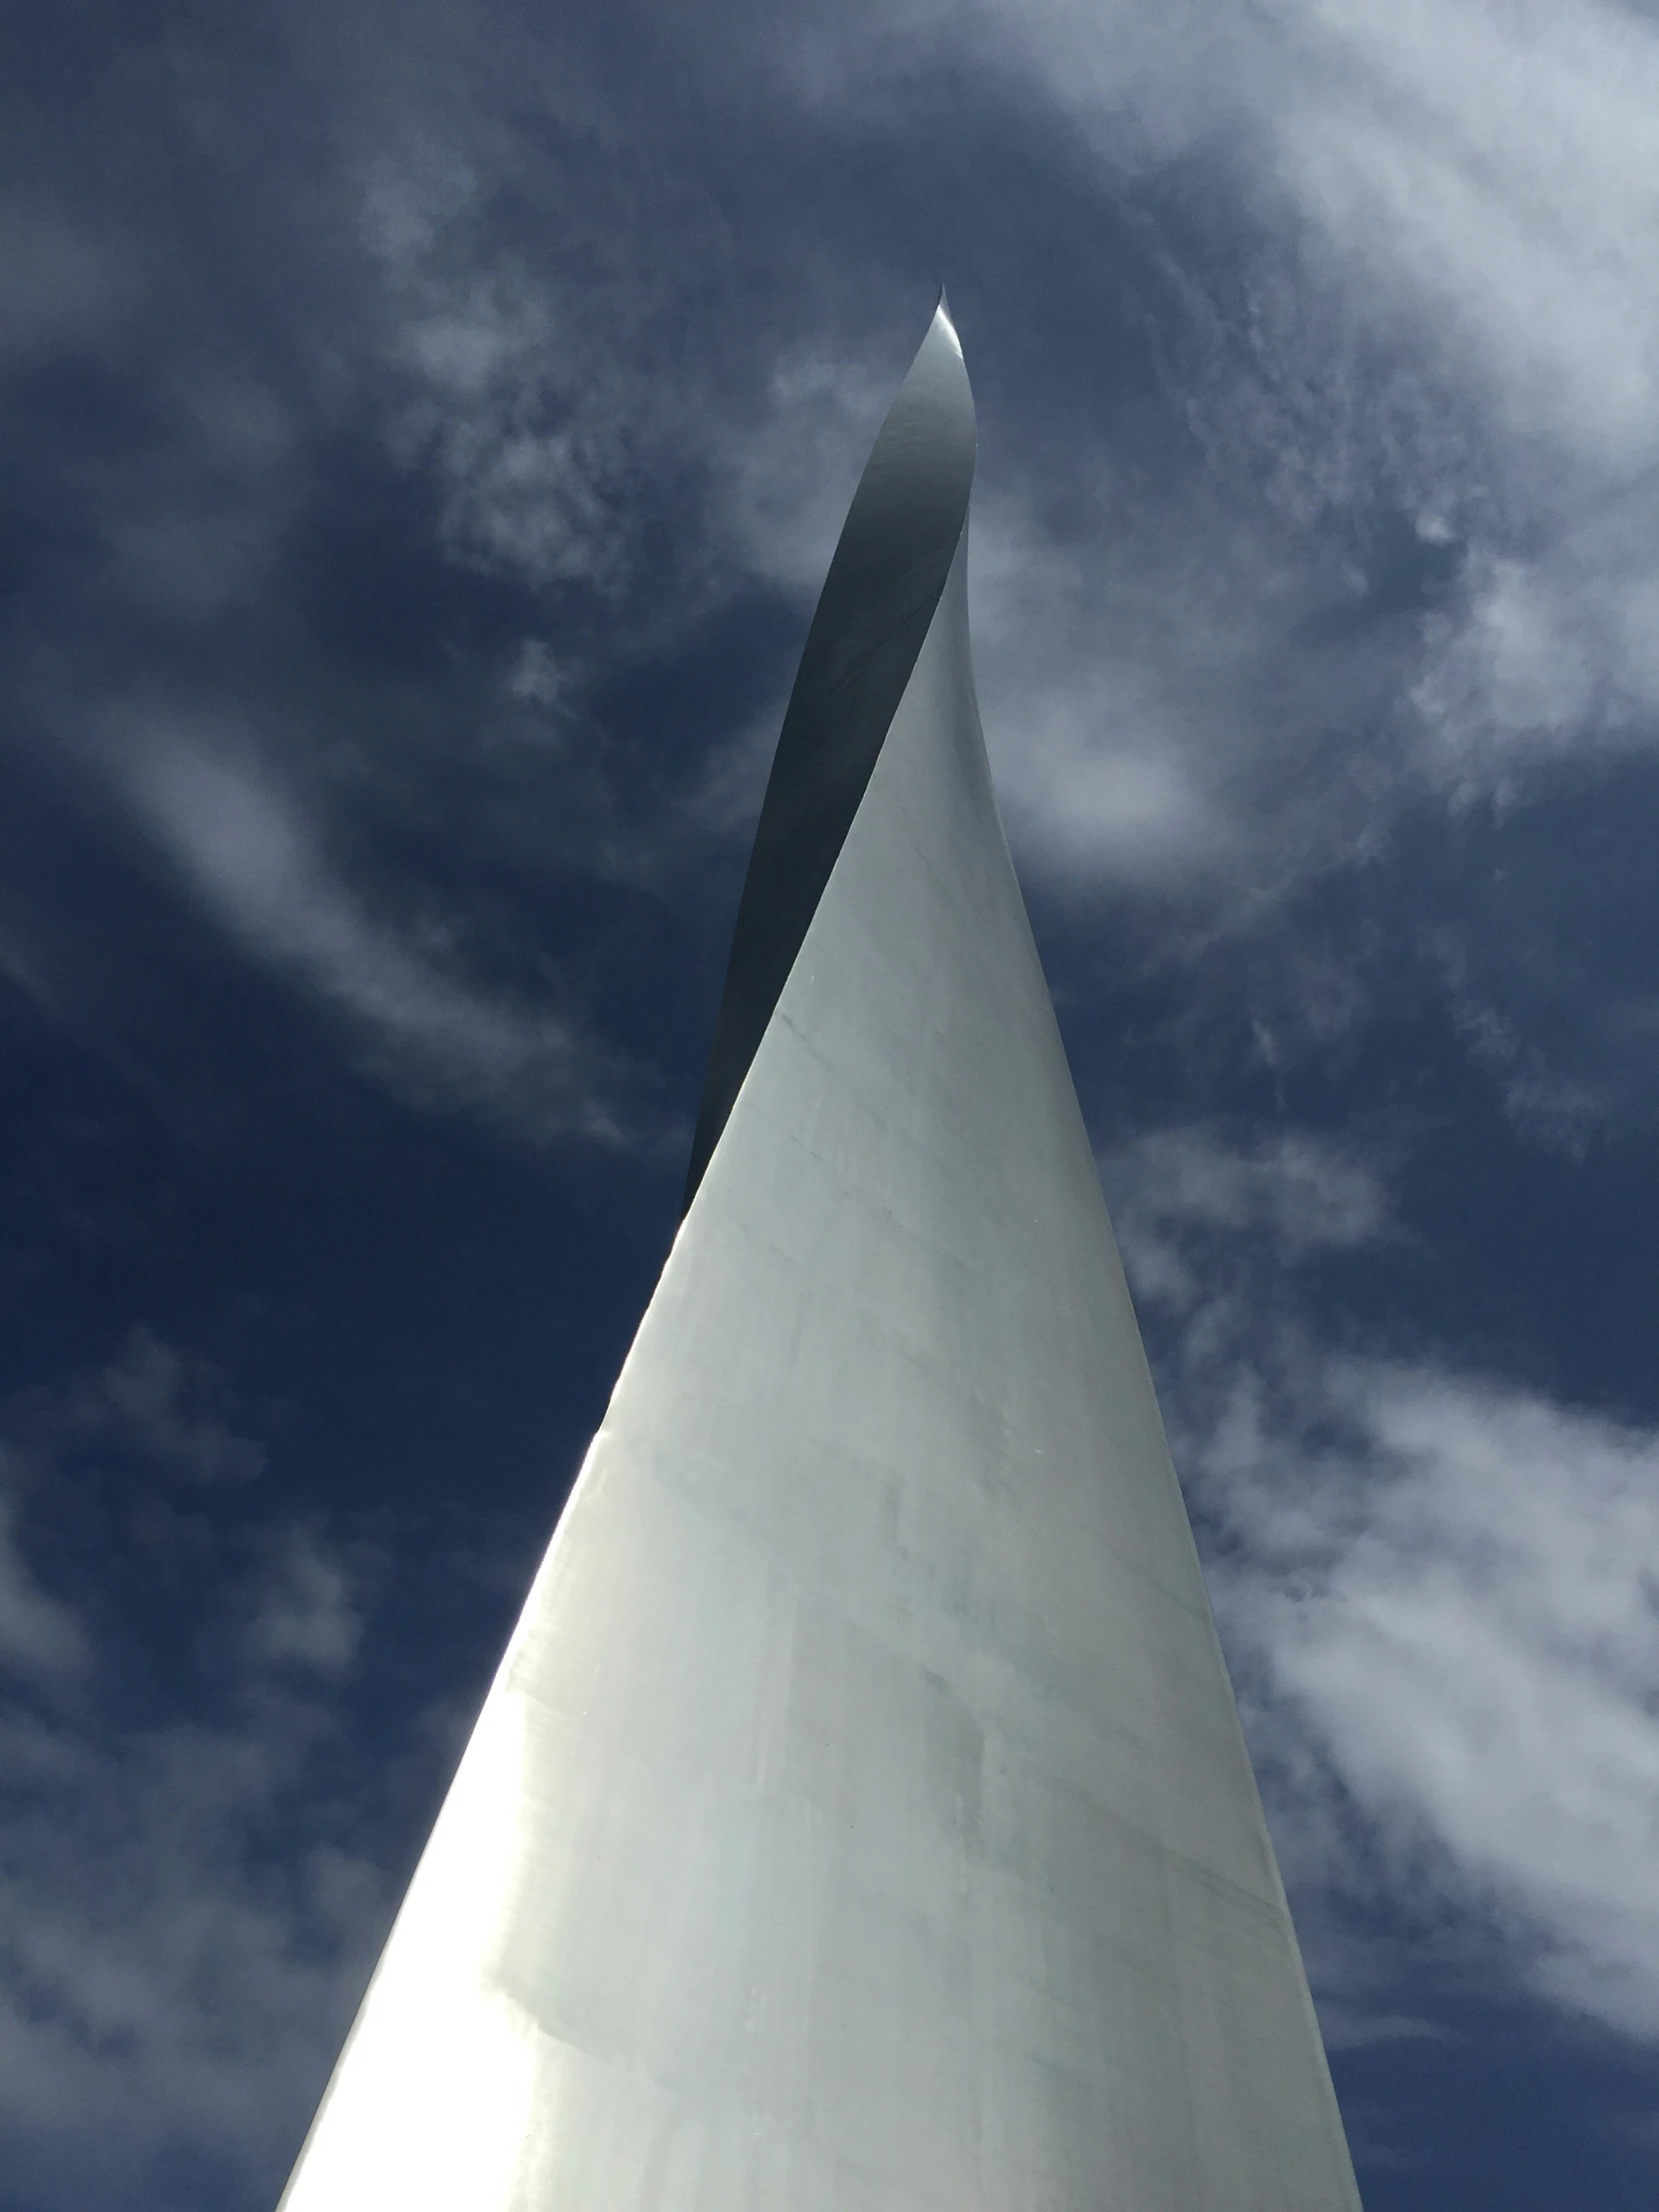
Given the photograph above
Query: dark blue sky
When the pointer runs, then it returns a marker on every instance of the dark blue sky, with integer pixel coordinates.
(424, 430)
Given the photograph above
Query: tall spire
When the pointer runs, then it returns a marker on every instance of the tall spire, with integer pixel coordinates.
(860, 1820)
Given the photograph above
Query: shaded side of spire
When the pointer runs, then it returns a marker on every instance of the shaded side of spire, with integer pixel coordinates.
(883, 585)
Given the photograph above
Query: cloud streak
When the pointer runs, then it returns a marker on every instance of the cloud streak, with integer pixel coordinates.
(38, 1635)
(169, 1980)
(1440, 1588)
(249, 852)
(1459, 1607)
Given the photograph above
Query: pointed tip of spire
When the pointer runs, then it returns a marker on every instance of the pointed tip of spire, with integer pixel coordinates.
(890, 568)
(937, 392)
(943, 321)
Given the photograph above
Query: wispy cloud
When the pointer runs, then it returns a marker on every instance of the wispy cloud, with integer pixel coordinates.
(168, 1981)
(1097, 670)
(306, 1612)
(38, 1634)
(59, 289)
(1494, 162)
(249, 851)
(1440, 1587)
(155, 1400)
(1484, 175)
(164, 1985)
(1176, 1192)
(530, 450)
(1459, 1604)
(1548, 658)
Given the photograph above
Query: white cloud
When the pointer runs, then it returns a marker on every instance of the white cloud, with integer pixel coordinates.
(1480, 166)
(1457, 1603)
(1440, 1591)
(526, 428)
(154, 1400)
(38, 1635)
(536, 679)
(196, 521)
(1149, 80)
(1494, 162)
(61, 289)
(307, 1614)
(788, 478)
(252, 855)
(175, 1968)
(1173, 1192)
(166, 1983)
(1101, 727)
(1551, 657)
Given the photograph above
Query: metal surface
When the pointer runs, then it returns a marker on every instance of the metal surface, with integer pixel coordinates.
(861, 1820)
(890, 567)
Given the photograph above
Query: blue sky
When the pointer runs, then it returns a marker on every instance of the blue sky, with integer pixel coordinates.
(424, 433)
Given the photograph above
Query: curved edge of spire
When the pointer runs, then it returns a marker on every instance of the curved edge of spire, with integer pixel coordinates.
(878, 603)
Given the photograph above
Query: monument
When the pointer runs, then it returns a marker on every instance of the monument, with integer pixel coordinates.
(860, 1820)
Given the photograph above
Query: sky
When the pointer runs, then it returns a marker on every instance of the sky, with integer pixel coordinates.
(424, 431)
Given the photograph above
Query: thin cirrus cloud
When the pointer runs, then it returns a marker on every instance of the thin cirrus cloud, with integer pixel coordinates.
(1456, 1605)
(38, 1636)
(493, 396)
(166, 1983)
(1097, 684)
(249, 852)
(1296, 1194)
(1489, 166)
(1495, 162)
(164, 1978)
(1553, 655)
(306, 1615)
(1469, 189)
(1438, 1587)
